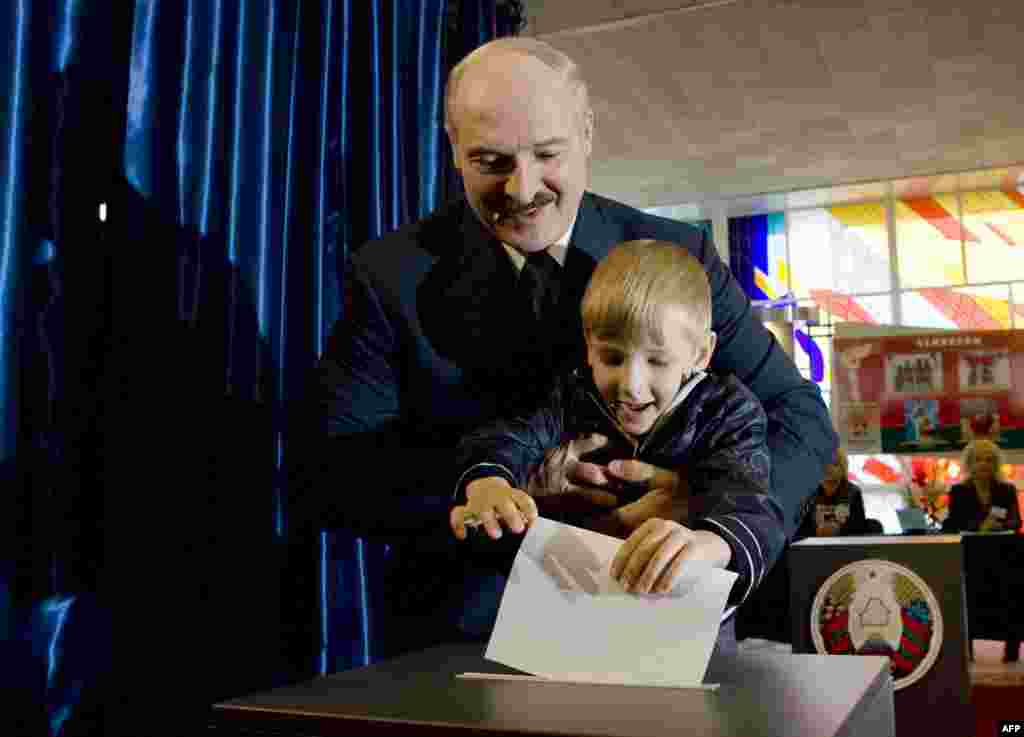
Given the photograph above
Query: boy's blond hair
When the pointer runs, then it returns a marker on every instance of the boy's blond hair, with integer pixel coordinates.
(635, 281)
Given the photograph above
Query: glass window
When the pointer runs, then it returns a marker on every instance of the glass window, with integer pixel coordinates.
(993, 235)
(928, 238)
(957, 308)
(881, 478)
(1017, 297)
(984, 308)
(919, 310)
(844, 248)
(869, 309)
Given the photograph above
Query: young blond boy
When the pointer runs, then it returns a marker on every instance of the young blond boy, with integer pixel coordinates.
(646, 318)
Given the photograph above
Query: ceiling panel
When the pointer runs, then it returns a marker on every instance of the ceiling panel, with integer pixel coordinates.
(553, 16)
(701, 101)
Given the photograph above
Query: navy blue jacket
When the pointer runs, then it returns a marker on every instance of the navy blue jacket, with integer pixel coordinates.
(428, 349)
(713, 436)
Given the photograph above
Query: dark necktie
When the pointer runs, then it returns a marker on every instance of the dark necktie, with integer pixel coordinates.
(538, 326)
(538, 285)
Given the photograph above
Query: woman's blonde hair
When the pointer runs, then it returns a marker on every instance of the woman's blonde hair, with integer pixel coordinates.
(843, 461)
(971, 451)
(632, 284)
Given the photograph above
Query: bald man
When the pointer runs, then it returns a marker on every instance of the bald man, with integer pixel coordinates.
(437, 340)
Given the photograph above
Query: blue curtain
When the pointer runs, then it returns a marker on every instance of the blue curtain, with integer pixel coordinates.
(63, 89)
(154, 367)
(264, 141)
(351, 598)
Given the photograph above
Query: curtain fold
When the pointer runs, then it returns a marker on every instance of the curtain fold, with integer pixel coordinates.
(154, 368)
(63, 98)
(406, 182)
(264, 142)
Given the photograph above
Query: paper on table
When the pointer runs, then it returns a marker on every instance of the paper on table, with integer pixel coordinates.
(562, 615)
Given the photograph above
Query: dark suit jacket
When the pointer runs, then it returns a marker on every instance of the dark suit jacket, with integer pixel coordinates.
(430, 348)
(966, 513)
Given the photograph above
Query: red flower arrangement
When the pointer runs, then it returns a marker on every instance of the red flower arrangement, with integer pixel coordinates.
(927, 489)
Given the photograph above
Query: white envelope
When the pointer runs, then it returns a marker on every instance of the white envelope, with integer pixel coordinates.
(563, 617)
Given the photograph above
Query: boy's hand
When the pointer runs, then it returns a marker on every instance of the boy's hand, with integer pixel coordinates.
(652, 557)
(494, 502)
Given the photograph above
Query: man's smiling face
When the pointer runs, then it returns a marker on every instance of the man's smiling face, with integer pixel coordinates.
(522, 144)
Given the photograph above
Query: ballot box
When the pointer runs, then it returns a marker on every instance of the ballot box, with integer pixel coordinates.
(902, 597)
(424, 693)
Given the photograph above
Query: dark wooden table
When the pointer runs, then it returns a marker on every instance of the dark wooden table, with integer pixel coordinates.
(418, 694)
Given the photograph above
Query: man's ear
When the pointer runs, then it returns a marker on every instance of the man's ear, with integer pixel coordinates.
(454, 147)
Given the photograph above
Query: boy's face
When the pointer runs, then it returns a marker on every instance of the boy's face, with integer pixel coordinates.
(638, 382)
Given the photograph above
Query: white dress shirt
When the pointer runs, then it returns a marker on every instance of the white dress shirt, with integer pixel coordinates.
(558, 249)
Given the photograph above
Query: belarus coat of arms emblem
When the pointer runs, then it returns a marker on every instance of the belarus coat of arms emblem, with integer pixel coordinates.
(876, 607)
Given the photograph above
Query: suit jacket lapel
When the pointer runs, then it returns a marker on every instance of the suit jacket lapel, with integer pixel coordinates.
(594, 234)
(463, 300)
(592, 238)
(466, 302)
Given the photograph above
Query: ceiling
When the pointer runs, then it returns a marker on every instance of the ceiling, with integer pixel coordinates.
(699, 101)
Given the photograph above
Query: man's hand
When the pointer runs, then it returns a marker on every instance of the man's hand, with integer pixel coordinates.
(667, 498)
(588, 489)
(494, 502)
(637, 473)
(563, 484)
(650, 560)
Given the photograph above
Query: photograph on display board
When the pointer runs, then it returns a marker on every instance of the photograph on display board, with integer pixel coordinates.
(913, 373)
(979, 420)
(852, 363)
(935, 392)
(921, 425)
(860, 427)
(984, 371)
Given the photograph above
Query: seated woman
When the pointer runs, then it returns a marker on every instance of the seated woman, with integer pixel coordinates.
(984, 502)
(838, 508)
